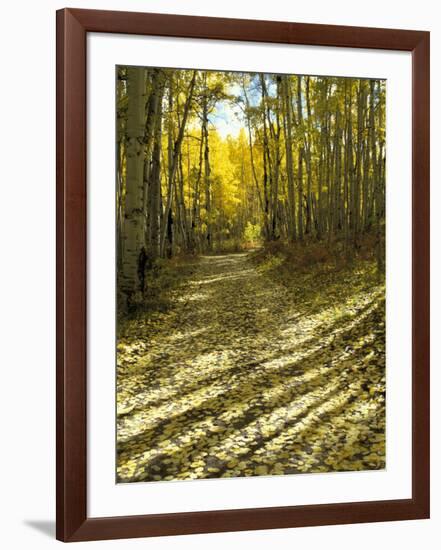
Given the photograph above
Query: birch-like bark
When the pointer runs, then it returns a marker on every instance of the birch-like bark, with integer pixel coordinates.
(289, 161)
(300, 155)
(134, 219)
(207, 169)
(154, 202)
(307, 155)
(174, 163)
(153, 106)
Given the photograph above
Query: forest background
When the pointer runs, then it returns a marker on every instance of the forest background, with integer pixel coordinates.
(221, 161)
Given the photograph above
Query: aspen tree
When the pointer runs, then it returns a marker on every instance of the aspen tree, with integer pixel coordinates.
(289, 160)
(134, 220)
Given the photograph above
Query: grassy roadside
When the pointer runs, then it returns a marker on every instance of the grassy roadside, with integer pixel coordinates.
(162, 281)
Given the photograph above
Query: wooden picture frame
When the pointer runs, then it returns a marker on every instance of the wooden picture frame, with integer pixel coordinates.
(73, 524)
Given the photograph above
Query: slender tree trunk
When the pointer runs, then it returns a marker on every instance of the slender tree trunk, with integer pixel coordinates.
(379, 199)
(277, 161)
(373, 156)
(121, 159)
(134, 221)
(155, 97)
(266, 166)
(155, 187)
(307, 149)
(168, 218)
(174, 164)
(180, 200)
(289, 162)
(347, 169)
(358, 161)
(300, 191)
(196, 218)
(207, 170)
(300, 157)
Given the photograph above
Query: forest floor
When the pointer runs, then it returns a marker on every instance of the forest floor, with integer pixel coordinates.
(253, 372)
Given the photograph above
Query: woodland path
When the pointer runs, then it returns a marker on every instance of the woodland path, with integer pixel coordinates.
(242, 377)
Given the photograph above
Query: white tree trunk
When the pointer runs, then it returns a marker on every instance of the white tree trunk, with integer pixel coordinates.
(134, 219)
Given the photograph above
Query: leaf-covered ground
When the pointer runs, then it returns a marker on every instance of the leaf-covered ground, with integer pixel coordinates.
(245, 375)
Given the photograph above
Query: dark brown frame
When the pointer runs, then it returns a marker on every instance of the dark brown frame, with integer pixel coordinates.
(72, 521)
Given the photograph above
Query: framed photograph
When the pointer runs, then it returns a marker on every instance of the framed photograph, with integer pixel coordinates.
(242, 274)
